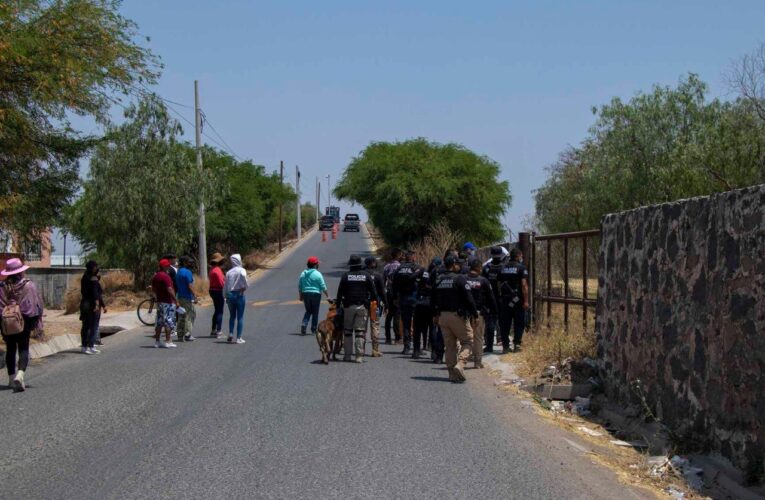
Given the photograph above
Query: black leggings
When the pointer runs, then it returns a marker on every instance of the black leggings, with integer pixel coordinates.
(20, 343)
(218, 302)
(423, 320)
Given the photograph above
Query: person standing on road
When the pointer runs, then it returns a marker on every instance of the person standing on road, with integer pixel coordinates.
(454, 308)
(310, 287)
(186, 300)
(355, 292)
(91, 305)
(513, 287)
(233, 289)
(483, 296)
(491, 272)
(370, 264)
(392, 315)
(162, 286)
(405, 291)
(216, 280)
(423, 314)
(21, 309)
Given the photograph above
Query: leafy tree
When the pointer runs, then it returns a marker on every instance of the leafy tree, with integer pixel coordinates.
(57, 58)
(407, 187)
(658, 147)
(142, 194)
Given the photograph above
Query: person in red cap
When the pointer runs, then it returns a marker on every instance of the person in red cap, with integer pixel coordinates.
(162, 285)
(310, 286)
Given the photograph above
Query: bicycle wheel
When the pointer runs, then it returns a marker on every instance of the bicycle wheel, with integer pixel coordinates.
(147, 312)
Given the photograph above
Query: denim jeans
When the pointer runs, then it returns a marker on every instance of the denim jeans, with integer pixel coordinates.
(312, 302)
(236, 305)
(218, 303)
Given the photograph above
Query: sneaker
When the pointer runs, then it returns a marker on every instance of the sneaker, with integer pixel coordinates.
(174, 335)
(230, 339)
(302, 330)
(189, 338)
(18, 382)
(213, 333)
(85, 350)
(218, 335)
(99, 343)
(93, 350)
(170, 345)
(240, 341)
(156, 344)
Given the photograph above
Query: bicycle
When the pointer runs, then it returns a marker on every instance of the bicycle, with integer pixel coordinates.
(146, 310)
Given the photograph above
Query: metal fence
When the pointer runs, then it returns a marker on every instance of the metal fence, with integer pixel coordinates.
(564, 275)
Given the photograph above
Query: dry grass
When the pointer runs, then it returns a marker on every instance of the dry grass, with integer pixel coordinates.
(440, 238)
(543, 347)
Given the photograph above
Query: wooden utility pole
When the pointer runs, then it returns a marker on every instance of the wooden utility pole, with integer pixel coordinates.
(281, 204)
(202, 229)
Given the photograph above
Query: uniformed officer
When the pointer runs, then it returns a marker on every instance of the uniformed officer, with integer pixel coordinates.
(513, 287)
(355, 292)
(392, 315)
(370, 265)
(491, 272)
(423, 314)
(483, 296)
(405, 290)
(454, 307)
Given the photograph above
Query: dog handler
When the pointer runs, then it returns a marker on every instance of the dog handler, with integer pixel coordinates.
(355, 293)
(310, 287)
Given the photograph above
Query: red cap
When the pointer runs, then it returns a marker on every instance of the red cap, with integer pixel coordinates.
(164, 263)
(312, 260)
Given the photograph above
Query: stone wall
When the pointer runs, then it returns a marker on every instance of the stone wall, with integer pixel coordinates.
(681, 313)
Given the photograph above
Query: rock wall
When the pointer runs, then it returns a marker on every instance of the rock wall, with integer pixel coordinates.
(681, 318)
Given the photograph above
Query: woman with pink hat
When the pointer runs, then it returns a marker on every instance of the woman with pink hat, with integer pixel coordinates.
(21, 310)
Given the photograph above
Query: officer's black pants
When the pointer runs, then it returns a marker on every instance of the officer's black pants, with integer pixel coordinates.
(407, 317)
(491, 325)
(392, 319)
(511, 316)
(423, 321)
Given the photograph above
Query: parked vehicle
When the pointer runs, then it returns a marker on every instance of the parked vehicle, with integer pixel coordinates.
(351, 222)
(326, 223)
(334, 212)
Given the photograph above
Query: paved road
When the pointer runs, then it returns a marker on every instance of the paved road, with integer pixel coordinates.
(264, 420)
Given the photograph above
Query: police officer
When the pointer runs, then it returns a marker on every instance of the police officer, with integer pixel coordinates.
(423, 314)
(454, 307)
(392, 316)
(513, 288)
(405, 290)
(370, 266)
(355, 292)
(491, 272)
(483, 296)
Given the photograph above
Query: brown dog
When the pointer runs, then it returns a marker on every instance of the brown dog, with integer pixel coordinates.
(328, 337)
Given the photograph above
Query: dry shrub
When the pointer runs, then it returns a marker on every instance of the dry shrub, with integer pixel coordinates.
(440, 238)
(543, 347)
(200, 287)
(118, 293)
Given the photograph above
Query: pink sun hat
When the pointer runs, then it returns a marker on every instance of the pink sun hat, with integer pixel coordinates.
(13, 266)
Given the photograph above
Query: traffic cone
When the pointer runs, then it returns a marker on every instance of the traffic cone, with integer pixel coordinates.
(334, 234)
(323, 236)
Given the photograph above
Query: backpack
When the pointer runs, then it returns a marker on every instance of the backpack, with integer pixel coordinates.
(12, 321)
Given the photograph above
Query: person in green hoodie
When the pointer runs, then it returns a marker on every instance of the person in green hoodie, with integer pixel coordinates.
(311, 285)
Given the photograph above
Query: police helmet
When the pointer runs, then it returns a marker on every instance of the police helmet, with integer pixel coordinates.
(496, 251)
(354, 261)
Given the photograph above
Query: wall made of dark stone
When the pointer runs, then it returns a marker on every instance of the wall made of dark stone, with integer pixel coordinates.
(681, 315)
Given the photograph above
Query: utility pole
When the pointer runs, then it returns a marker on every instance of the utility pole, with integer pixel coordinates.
(297, 190)
(318, 199)
(329, 193)
(281, 204)
(202, 228)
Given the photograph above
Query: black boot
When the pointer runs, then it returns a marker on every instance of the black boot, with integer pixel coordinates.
(406, 349)
(416, 354)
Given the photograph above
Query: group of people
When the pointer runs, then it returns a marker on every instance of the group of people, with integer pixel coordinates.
(176, 300)
(454, 306)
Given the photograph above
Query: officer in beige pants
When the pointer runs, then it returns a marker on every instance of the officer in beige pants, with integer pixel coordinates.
(454, 306)
(355, 292)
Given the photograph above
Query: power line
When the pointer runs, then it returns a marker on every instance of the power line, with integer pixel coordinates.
(229, 148)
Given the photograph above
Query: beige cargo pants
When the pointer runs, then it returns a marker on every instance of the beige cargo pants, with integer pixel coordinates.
(456, 328)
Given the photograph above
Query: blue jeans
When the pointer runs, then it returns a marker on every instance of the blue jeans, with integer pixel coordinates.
(312, 302)
(236, 313)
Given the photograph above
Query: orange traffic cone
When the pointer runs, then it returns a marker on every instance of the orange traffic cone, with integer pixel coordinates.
(334, 234)
(323, 236)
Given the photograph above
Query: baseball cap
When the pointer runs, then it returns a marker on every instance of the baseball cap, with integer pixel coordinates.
(313, 260)
(468, 246)
(164, 263)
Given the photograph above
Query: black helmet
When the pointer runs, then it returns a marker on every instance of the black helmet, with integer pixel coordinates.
(354, 261)
(496, 251)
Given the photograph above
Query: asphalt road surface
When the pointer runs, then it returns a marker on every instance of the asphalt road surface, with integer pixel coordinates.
(265, 420)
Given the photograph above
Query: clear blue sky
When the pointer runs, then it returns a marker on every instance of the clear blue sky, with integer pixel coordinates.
(312, 83)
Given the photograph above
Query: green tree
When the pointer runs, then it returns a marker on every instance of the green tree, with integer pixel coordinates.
(407, 187)
(57, 58)
(661, 146)
(142, 194)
